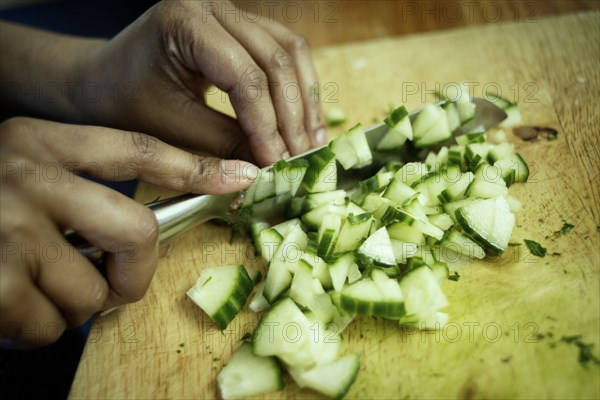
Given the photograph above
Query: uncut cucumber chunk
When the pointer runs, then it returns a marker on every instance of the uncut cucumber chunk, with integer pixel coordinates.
(488, 222)
(333, 379)
(246, 374)
(221, 292)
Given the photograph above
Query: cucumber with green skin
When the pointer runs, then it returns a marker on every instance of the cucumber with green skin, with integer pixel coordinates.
(221, 292)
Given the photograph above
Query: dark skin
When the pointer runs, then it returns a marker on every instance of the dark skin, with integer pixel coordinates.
(170, 56)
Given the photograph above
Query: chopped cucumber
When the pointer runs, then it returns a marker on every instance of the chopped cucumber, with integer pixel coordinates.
(321, 175)
(246, 374)
(333, 379)
(378, 249)
(221, 292)
(488, 222)
(400, 129)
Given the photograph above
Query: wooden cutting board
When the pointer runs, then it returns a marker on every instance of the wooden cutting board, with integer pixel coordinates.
(507, 315)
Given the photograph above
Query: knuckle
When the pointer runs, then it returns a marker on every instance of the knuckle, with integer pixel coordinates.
(253, 76)
(201, 170)
(146, 228)
(143, 148)
(280, 60)
(298, 43)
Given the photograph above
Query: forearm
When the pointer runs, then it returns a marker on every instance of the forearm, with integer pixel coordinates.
(39, 72)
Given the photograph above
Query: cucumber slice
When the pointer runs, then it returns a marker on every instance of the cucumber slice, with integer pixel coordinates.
(405, 233)
(452, 115)
(328, 235)
(344, 152)
(411, 172)
(339, 270)
(274, 337)
(461, 244)
(326, 340)
(319, 267)
(221, 292)
(246, 374)
(354, 230)
(469, 138)
(376, 183)
(258, 302)
(398, 192)
(442, 221)
(487, 183)
(488, 222)
(289, 175)
(267, 243)
(321, 175)
(314, 218)
(395, 214)
(308, 292)
(314, 200)
(371, 298)
(286, 226)
(378, 249)
(400, 129)
(333, 379)
(358, 140)
(513, 169)
(422, 293)
(431, 126)
(500, 151)
(441, 271)
(513, 119)
(289, 252)
(456, 191)
(265, 186)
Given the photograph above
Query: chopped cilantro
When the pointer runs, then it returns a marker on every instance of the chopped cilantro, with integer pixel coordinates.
(535, 248)
(181, 344)
(552, 136)
(555, 254)
(216, 358)
(178, 351)
(585, 349)
(514, 244)
(454, 277)
(566, 228)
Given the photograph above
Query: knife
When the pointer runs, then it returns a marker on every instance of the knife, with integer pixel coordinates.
(181, 213)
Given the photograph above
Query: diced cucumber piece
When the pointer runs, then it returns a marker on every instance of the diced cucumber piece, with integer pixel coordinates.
(497, 137)
(404, 250)
(469, 138)
(456, 191)
(221, 292)
(246, 374)
(267, 243)
(308, 292)
(513, 169)
(488, 222)
(378, 249)
(500, 151)
(376, 183)
(405, 233)
(289, 175)
(335, 116)
(344, 152)
(265, 186)
(398, 192)
(286, 226)
(513, 204)
(451, 207)
(442, 221)
(256, 227)
(422, 293)
(314, 218)
(320, 269)
(354, 230)
(321, 175)
(339, 270)
(328, 235)
(374, 201)
(314, 200)
(296, 204)
(487, 183)
(333, 379)
(452, 115)
(441, 271)
(366, 297)
(270, 338)
(466, 109)
(258, 302)
(431, 126)
(289, 252)
(513, 119)
(395, 214)
(358, 140)
(400, 129)
(461, 244)
(476, 154)
(411, 172)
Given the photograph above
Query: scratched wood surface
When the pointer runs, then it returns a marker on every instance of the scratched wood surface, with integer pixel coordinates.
(507, 315)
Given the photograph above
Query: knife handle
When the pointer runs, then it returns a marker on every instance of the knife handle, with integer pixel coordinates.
(174, 216)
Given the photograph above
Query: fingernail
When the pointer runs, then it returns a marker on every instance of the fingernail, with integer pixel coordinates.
(285, 155)
(106, 312)
(250, 173)
(320, 136)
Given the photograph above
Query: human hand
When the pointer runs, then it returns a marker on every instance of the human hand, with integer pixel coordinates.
(46, 285)
(171, 55)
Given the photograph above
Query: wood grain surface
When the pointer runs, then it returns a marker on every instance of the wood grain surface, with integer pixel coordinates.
(507, 314)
